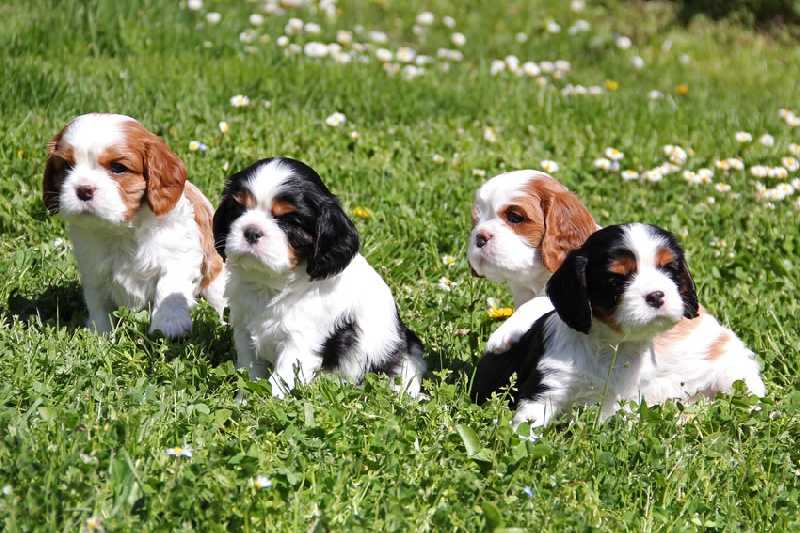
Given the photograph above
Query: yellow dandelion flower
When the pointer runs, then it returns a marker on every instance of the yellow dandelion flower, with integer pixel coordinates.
(611, 85)
(361, 212)
(682, 89)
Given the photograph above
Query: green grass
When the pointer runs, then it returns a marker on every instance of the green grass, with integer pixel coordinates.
(85, 421)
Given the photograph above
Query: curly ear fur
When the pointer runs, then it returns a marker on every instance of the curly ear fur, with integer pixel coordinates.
(567, 225)
(567, 291)
(335, 244)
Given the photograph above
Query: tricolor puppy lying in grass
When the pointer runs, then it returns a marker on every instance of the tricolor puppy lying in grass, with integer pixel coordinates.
(302, 298)
(142, 233)
(524, 222)
(612, 296)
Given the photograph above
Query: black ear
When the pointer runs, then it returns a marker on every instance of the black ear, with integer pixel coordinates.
(688, 291)
(567, 290)
(223, 218)
(335, 244)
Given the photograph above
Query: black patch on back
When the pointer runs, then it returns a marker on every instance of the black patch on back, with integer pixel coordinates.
(339, 343)
(494, 371)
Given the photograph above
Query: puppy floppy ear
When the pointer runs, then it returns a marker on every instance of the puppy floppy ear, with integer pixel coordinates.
(165, 175)
(688, 291)
(567, 291)
(335, 244)
(567, 225)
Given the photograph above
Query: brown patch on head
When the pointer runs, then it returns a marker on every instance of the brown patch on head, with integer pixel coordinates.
(131, 182)
(664, 256)
(282, 207)
(623, 265)
(59, 156)
(559, 222)
(203, 216)
(294, 257)
(164, 173)
(245, 198)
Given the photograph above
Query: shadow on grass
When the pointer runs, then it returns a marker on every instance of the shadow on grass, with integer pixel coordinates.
(63, 307)
(58, 306)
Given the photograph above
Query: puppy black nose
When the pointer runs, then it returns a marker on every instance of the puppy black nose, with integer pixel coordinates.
(85, 193)
(252, 234)
(482, 238)
(655, 299)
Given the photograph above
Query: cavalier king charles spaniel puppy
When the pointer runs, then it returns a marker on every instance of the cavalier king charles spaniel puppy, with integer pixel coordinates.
(301, 296)
(612, 296)
(525, 221)
(142, 234)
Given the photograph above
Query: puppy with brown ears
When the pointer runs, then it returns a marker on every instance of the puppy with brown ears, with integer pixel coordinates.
(142, 233)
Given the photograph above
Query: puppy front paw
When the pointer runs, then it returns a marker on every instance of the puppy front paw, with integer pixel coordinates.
(174, 325)
(504, 337)
(172, 317)
(99, 324)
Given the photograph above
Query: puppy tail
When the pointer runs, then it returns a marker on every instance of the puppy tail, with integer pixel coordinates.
(496, 370)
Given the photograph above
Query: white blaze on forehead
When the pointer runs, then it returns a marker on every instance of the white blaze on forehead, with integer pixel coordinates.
(502, 189)
(267, 182)
(644, 244)
(90, 134)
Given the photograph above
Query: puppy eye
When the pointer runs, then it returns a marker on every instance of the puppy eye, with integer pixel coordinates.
(67, 167)
(615, 280)
(514, 218)
(118, 168)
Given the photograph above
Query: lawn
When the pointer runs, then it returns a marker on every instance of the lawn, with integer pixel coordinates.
(134, 433)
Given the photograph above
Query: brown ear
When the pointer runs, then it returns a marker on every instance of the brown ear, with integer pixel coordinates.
(165, 175)
(53, 174)
(567, 225)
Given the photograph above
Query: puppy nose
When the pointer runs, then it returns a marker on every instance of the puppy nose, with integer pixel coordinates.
(252, 234)
(482, 238)
(655, 299)
(85, 193)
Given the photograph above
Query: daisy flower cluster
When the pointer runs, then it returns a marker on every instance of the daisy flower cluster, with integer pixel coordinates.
(440, 44)
(678, 157)
(304, 38)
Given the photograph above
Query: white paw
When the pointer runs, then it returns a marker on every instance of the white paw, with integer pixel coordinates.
(172, 317)
(100, 324)
(504, 337)
(532, 436)
(174, 325)
(279, 387)
(511, 331)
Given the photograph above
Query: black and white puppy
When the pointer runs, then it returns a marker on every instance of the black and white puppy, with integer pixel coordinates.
(612, 297)
(301, 297)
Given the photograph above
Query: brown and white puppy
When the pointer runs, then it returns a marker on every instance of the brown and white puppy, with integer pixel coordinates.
(523, 225)
(142, 233)
(513, 215)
